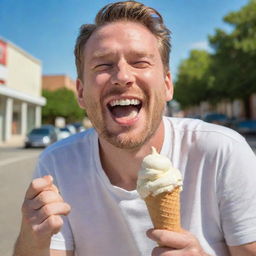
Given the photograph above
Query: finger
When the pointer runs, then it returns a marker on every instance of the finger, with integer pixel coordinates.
(38, 185)
(177, 240)
(50, 226)
(60, 208)
(165, 251)
(55, 189)
(45, 197)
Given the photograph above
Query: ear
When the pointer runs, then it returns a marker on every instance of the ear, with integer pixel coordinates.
(169, 86)
(80, 93)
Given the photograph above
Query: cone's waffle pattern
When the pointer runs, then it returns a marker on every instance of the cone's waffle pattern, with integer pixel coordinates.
(164, 210)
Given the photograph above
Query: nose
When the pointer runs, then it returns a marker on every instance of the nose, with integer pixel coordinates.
(122, 74)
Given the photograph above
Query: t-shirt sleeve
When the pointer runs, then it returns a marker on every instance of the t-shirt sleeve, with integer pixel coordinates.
(236, 193)
(64, 239)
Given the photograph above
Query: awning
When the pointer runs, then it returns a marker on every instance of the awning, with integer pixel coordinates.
(9, 92)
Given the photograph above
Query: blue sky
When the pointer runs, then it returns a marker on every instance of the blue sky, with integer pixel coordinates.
(47, 29)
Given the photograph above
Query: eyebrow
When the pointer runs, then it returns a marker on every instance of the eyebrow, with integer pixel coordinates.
(106, 54)
(101, 54)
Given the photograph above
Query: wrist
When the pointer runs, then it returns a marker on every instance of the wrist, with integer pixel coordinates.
(31, 246)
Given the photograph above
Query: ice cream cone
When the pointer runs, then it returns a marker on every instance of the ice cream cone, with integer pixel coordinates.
(164, 210)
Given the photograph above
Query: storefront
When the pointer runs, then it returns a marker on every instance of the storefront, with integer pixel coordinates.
(20, 91)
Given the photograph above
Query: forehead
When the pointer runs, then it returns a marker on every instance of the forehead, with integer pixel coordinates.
(121, 36)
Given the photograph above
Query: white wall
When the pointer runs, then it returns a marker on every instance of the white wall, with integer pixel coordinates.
(24, 72)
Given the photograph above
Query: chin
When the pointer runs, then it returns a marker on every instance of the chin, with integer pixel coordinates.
(129, 139)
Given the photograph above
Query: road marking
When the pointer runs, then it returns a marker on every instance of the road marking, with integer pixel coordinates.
(16, 159)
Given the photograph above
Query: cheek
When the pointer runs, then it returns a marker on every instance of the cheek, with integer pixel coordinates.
(94, 87)
(101, 79)
(147, 75)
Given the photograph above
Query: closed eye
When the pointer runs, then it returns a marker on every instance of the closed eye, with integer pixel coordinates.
(141, 64)
(103, 66)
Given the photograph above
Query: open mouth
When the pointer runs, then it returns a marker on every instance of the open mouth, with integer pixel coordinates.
(124, 109)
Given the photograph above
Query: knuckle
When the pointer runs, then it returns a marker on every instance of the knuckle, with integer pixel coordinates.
(55, 223)
(194, 251)
(41, 197)
(46, 210)
(52, 221)
(34, 229)
(162, 238)
(67, 208)
(34, 184)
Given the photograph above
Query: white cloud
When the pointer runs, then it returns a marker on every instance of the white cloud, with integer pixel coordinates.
(201, 45)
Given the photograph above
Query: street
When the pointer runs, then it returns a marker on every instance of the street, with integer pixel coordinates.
(16, 168)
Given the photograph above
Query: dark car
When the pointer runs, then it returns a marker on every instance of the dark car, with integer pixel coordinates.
(216, 118)
(246, 127)
(40, 137)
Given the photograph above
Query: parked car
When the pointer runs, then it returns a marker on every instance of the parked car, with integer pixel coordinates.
(245, 127)
(63, 133)
(79, 126)
(216, 118)
(40, 137)
(71, 128)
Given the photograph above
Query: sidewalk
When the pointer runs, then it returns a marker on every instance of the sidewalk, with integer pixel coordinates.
(16, 141)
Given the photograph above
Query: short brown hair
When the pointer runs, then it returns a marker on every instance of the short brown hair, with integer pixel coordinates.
(125, 11)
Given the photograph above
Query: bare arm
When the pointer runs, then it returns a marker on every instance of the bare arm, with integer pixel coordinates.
(243, 250)
(41, 218)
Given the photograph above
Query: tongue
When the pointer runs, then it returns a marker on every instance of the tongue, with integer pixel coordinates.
(126, 112)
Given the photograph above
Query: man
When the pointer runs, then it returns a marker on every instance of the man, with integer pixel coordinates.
(124, 83)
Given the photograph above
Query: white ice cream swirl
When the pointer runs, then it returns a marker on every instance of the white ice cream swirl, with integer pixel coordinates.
(157, 175)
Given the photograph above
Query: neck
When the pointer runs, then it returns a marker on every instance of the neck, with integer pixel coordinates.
(122, 165)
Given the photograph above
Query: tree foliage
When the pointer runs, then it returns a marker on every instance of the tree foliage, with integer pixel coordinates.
(191, 85)
(61, 103)
(234, 61)
(227, 73)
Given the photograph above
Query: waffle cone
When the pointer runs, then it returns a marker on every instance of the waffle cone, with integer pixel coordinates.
(164, 210)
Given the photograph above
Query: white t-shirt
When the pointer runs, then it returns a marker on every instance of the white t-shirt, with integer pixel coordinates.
(218, 201)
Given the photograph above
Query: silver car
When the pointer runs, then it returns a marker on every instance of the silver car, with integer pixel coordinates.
(40, 137)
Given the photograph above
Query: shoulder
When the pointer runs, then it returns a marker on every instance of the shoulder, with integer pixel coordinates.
(76, 143)
(205, 136)
(197, 126)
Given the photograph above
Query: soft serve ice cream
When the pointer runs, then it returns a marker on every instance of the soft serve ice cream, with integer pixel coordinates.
(160, 184)
(157, 175)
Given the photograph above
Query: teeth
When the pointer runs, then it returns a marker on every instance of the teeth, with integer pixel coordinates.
(125, 102)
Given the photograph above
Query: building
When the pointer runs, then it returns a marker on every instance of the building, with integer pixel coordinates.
(20, 91)
(55, 82)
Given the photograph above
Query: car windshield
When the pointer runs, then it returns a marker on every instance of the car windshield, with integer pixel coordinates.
(64, 129)
(215, 116)
(39, 132)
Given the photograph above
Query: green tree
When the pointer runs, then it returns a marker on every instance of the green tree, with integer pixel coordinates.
(63, 103)
(234, 61)
(193, 83)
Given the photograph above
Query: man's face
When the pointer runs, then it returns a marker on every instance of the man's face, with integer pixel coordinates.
(124, 88)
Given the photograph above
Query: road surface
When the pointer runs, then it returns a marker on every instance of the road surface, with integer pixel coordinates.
(16, 168)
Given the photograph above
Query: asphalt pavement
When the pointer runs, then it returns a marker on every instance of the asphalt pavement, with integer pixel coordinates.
(16, 168)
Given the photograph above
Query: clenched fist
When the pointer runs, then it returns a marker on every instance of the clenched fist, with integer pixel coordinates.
(41, 216)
